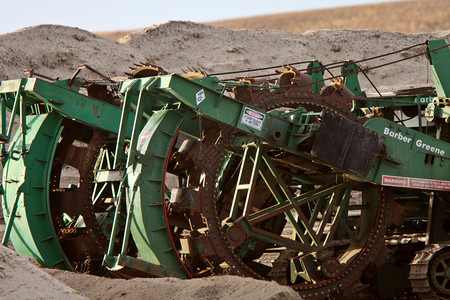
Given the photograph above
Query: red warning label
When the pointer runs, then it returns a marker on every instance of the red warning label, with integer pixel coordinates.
(416, 183)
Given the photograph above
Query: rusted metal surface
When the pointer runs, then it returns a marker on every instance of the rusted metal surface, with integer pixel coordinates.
(429, 273)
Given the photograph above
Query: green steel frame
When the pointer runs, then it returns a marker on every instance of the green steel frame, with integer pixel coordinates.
(25, 192)
(330, 200)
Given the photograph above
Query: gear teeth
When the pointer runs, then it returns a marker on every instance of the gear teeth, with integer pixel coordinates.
(193, 73)
(145, 70)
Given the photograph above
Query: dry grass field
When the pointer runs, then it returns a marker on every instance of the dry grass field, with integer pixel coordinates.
(399, 16)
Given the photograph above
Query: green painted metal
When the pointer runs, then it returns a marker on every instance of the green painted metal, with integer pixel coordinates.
(202, 98)
(65, 102)
(149, 225)
(241, 187)
(350, 72)
(109, 259)
(256, 162)
(394, 101)
(439, 56)
(410, 154)
(146, 193)
(138, 266)
(130, 195)
(26, 179)
(16, 100)
(316, 71)
(3, 129)
(12, 216)
(212, 104)
(303, 199)
(304, 233)
(440, 274)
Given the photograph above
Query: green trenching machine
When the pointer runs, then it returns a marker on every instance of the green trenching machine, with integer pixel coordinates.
(315, 186)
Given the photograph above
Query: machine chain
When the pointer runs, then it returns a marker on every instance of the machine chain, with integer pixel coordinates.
(430, 272)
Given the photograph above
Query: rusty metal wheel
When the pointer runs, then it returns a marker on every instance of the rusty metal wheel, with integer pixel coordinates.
(333, 257)
(71, 184)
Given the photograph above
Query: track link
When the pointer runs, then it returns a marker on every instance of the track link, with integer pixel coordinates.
(430, 272)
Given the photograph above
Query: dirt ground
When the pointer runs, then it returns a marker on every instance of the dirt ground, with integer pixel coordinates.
(56, 51)
(20, 278)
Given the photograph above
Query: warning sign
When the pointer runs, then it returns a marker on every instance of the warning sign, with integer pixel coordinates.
(416, 183)
(252, 118)
(200, 96)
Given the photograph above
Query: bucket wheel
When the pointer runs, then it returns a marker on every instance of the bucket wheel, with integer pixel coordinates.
(71, 185)
(319, 238)
(316, 236)
(297, 223)
(213, 232)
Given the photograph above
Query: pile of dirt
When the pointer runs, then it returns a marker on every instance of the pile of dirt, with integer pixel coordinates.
(21, 279)
(56, 51)
(222, 287)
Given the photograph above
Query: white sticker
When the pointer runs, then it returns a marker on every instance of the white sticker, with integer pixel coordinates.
(416, 183)
(200, 96)
(252, 118)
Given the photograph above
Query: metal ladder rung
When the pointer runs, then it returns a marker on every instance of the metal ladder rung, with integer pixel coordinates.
(245, 186)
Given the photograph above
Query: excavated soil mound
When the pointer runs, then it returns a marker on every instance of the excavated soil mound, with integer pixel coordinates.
(222, 287)
(56, 51)
(21, 279)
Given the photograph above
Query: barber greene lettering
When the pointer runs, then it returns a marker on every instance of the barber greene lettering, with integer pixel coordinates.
(418, 143)
(396, 135)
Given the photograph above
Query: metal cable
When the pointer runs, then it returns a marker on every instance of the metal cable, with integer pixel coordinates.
(382, 65)
(261, 69)
(374, 57)
(332, 65)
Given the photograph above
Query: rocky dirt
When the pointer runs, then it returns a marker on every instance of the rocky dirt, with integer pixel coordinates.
(20, 278)
(221, 287)
(56, 51)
